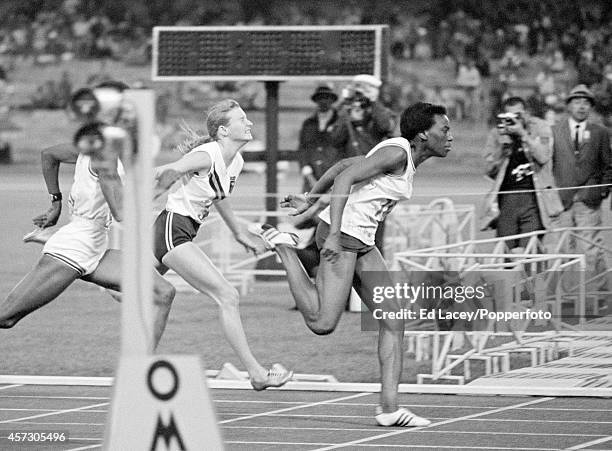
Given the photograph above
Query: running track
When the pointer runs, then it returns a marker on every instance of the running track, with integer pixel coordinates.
(293, 420)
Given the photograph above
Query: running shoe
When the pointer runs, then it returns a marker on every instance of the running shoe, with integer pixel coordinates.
(38, 235)
(277, 376)
(401, 417)
(271, 236)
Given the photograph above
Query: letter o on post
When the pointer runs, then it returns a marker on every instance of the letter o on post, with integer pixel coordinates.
(163, 396)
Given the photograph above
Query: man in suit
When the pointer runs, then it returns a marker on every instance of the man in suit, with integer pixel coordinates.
(316, 151)
(582, 158)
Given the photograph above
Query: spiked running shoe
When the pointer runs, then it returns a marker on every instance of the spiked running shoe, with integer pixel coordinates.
(402, 417)
(39, 235)
(272, 237)
(277, 376)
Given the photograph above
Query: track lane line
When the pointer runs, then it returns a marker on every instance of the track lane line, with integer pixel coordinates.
(507, 420)
(72, 423)
(58, 412)
(287, 409)
(487, 448)
(90, 398)
(85, 447)
(6, 387)
(297, 428)
(592, 442)
(440, 423)
(407, 405)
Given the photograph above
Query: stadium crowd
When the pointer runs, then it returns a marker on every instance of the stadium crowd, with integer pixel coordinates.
(539, 51)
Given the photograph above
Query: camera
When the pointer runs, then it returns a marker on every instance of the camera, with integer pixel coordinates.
(353, 97)
(507, 119)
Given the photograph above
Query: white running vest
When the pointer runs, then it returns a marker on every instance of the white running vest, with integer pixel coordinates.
(195, 192)
(370, 201)
(86, 199)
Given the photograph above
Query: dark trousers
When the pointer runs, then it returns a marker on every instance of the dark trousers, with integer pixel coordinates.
(518, 213)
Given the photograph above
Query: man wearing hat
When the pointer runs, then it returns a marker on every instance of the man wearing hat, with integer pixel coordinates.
(582, 159)
(316, 153)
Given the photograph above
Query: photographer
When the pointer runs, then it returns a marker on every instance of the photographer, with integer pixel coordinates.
(518, 156)
(363, 122)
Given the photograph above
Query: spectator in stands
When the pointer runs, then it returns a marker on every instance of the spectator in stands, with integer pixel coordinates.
(582, 158)
(535, 105)
(545, 81)
(412, 91)
(518, 157)
(316, 153)
(411, 40)
(469, 81)
(441, 40)
(557, 62)
(64, 89)
(589, 71)
(500, 91)
(603, 96)
(510, 63)
(422, 50)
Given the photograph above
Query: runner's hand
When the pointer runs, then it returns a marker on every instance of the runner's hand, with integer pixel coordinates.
(50, 217)
(297, 201)
(249, 245)
(331, 249)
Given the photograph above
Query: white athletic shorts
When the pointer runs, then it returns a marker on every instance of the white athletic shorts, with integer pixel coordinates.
(80, 244)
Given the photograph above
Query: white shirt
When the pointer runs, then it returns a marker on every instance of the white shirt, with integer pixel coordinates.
(324, 118)
(86, 199)
(195, 192)
(370, 201)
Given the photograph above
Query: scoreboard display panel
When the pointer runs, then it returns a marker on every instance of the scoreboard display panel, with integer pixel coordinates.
(266, 53)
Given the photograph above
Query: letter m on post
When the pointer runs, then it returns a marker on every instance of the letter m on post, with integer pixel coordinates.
(167, 432)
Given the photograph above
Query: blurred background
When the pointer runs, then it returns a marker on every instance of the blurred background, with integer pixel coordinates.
(538, 50)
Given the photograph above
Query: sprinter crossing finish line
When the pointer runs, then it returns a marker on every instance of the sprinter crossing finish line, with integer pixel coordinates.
(161, 402)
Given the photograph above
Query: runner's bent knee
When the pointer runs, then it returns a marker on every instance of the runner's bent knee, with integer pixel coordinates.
(164, 293)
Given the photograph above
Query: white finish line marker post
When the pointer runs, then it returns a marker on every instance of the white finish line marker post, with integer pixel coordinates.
(159, 402)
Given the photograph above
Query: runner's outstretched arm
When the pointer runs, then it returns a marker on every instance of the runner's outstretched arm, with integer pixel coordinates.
(51, 157)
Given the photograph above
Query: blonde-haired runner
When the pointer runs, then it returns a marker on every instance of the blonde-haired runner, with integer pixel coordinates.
(206, 176)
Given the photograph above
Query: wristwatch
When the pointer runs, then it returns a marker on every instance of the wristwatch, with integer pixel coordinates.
(56, 197)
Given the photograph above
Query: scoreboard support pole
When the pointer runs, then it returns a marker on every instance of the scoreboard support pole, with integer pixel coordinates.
(272, 88)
